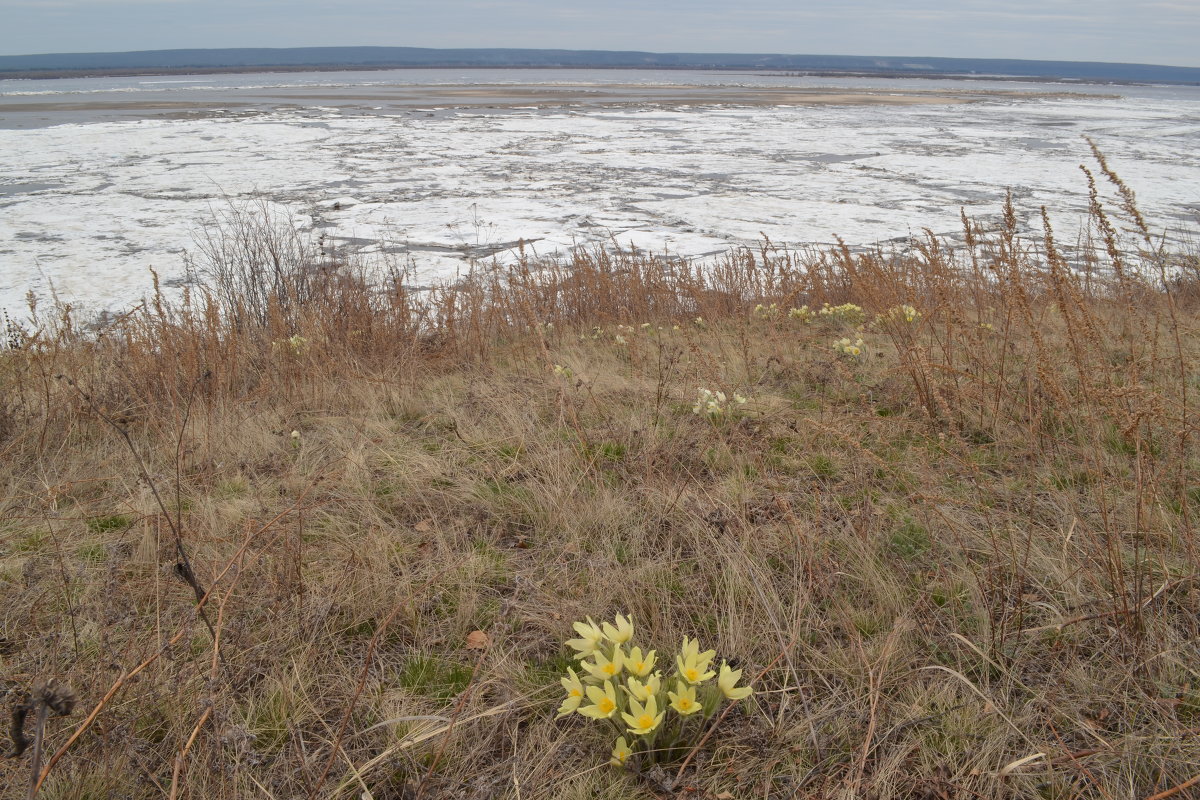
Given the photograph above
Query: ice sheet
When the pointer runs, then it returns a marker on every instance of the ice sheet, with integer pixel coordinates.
(88, 209)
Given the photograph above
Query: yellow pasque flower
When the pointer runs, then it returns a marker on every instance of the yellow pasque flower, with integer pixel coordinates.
(692, 664)
(590, 635)
(644, 691)
(727, 681)
(605, 668)
(620, 752)
(622, 633)
(604, 702)
(574, 689)
(638, 664)
(683, 699)
(642, 719)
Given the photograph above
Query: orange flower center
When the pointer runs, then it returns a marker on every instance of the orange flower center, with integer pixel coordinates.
(606, 705)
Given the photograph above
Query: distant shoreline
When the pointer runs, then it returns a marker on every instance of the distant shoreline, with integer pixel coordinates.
(208, 61)
(64, 74)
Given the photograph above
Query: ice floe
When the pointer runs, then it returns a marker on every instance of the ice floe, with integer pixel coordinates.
(88, 208)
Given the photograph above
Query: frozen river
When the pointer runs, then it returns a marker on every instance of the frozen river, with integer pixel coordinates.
(101, 179)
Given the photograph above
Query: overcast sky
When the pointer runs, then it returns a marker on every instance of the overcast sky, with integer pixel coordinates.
(1166, 32)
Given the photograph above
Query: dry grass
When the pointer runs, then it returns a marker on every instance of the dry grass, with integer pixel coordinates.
(968, 557)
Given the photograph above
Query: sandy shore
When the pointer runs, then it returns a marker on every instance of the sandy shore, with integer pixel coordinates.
(23, 111)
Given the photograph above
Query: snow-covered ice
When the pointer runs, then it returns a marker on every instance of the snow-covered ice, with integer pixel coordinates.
(90, 207)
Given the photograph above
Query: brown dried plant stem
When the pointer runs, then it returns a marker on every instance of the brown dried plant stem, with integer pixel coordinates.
(35, 761)
(1174, 790)
(177, 772)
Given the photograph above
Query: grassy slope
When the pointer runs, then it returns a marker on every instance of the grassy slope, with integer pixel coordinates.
(970, 546)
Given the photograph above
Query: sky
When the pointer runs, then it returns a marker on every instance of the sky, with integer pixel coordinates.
(1149, 31)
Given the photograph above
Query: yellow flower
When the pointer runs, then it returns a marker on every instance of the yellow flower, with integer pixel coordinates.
(620, 752)
(590, 636)
(727, 681)
(622, 633)
(683, 699)
(604, 702)
(642, 719)
(692, 664)
(605, 668)
(638, 664)
(644, 690)
(574, 694)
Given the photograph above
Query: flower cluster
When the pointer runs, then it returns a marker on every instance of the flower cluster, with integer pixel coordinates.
(622, 686)
(846, 312)
(766, 312)
(802, 313)
(845, 347)
(903, 313)
(293, 345)
(715, 404)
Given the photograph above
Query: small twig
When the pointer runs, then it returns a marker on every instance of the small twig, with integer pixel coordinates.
(1063, 759)
(1174, 790)
(184, 751)
(182, 755)
(35, 762)
(454, 428)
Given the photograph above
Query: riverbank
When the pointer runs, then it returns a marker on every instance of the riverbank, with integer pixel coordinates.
(949, 536)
